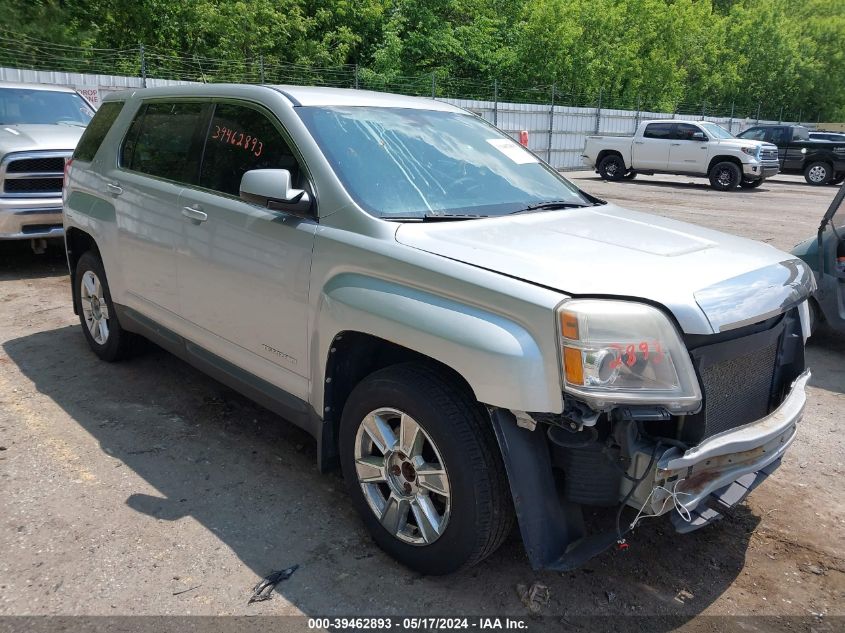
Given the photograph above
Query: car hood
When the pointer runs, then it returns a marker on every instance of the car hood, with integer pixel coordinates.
(710, 281)
(24, 138)
(741, 142)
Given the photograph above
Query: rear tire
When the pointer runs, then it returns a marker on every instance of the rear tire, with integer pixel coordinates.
(390, 475)
(97, 315)
(612, 167)
(818, 173)
(725, 176)
(751, 184)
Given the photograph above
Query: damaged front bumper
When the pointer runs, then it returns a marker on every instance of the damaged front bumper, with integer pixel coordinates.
(720, 471)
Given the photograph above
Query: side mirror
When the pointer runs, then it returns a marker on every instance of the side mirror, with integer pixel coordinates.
(270, 188)
(699, 136)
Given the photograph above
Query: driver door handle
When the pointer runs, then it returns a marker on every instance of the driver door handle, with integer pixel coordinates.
(114, 188)
(196, 215)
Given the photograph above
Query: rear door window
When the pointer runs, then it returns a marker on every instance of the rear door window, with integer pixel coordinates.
(659, 130)
(241, 138)
(96, 131)
(165, 140)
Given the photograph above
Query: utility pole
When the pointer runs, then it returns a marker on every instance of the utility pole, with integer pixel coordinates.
(551, 124)
(356, 76)
(759, 103)
(598, 112)
(637, 117)
(143, 68)
(496, 102)
(261, 67)
(780, 116)
(433, 85)
(731, 122)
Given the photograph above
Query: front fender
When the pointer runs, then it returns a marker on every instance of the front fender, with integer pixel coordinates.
(499, 358)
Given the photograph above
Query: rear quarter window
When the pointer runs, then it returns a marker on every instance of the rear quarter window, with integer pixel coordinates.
(96, 131)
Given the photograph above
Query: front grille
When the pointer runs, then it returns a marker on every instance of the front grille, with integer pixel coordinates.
(738, 391)
(33, 185)
(33, 174)
(23, 165)
(769, 154)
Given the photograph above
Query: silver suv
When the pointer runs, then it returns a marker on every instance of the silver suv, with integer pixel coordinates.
(39, 128)
(470, 337)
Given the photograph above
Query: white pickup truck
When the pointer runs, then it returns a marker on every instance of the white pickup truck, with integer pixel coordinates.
(690, 148)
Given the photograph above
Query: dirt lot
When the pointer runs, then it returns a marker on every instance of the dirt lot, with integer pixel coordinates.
(146, 488)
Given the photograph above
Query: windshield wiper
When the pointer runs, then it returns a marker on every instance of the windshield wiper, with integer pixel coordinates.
(550, 205)
(430, 217)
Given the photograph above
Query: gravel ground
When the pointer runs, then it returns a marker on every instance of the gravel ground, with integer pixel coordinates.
(145, 487)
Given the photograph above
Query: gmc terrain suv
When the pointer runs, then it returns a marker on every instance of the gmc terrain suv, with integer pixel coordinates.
(451, 319)
(39, 128)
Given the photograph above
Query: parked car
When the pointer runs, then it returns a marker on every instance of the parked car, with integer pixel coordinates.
(827, 136)
(691, 148)
(821, 162)
(450, 318)
(39, 128)
(824, 253)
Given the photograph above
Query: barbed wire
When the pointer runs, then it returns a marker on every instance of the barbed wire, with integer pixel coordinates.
(27, 52)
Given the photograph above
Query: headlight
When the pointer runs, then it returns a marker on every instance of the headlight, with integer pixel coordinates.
(751, 151)
(621, 352)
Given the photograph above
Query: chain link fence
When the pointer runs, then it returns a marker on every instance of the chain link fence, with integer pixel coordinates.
(557, 118)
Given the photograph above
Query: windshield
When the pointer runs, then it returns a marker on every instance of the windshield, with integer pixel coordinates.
(716, 131)
(26, 106)
(408, 163)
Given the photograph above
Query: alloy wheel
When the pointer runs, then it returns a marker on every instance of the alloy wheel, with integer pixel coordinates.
(94, 307)
(817, 173)
(403, 476)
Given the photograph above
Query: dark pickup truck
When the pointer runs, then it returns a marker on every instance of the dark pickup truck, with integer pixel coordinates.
(822, 162)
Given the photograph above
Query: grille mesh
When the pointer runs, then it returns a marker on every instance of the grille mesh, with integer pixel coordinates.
(23, 165)
(769, 154)
(34, 185)
(737, 391)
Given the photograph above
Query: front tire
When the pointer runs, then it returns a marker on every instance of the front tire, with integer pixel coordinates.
(725, 176)
(424, 470)
(612, 167)
(818, 173)
(97, 315)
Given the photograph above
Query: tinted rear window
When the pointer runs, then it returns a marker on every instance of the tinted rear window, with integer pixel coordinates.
(165, 140)
(96, 131)
(659, 130)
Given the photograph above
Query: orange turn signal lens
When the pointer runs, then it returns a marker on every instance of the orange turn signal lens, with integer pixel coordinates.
(572, 365)
(569, 325)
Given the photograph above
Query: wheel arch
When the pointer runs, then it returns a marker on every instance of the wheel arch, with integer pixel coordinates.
(610, 152)
(352, 356)
(724, 159)
(365, 323)
(77, 242)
